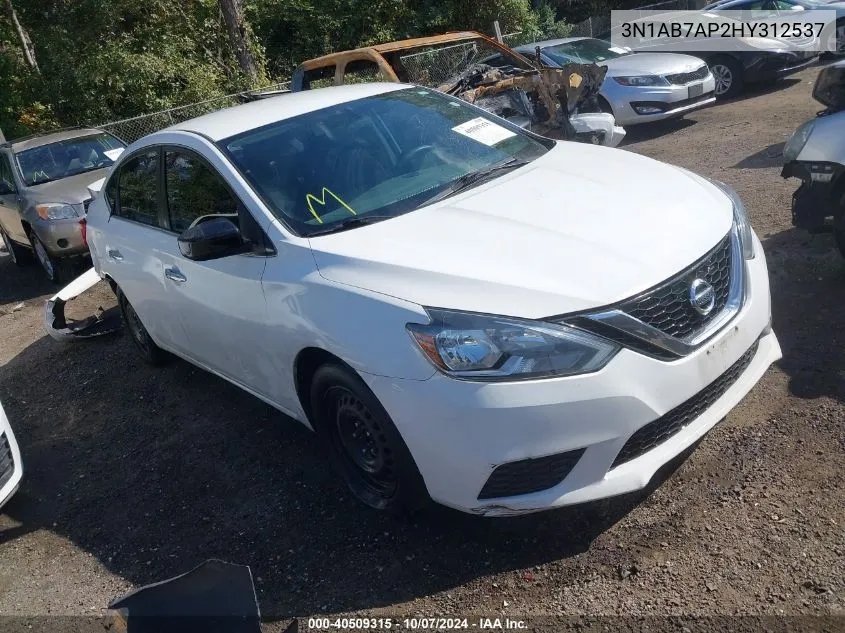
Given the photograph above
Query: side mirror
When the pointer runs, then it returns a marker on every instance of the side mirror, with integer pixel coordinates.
(212, 239)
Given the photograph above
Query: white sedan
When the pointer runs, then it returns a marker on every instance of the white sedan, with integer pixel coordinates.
(11, 467)
(461, 310)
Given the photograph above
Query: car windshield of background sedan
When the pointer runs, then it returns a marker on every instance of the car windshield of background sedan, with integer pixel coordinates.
(587, 51)
(375, 158)
(63, 159)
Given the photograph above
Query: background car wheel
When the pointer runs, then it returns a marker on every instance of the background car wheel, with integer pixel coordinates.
(150, 352)
(52, 267)
(728, 75)
(364, 445)
(20, 255)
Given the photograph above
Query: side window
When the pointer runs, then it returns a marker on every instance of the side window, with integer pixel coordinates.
(318, 77)
(111, 192)
(7, 181)
(361, 71)
(138, 189)
(195, 191)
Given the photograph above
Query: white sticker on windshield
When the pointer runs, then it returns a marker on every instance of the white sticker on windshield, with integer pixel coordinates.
(618, 50)
(113, 153)
(484, 131)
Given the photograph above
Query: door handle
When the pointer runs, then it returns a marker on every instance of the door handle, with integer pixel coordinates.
(174, 274)
(115, 255)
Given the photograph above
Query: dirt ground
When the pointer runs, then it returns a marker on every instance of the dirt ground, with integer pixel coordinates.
(135, 474)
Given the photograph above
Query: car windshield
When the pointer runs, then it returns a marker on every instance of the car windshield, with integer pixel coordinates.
(375, 158)
(587, 51)
(63, 159)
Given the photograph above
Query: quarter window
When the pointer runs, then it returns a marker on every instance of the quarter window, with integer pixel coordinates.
(195, 191)
(138, 189)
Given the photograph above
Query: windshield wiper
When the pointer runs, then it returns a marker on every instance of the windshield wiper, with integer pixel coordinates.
(474, 178)
(351, 223)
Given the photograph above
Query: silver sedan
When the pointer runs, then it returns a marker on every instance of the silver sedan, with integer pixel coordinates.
(639, 87)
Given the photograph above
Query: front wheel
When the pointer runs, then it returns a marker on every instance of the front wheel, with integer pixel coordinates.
(728, 75)
(364, 445)
(53, 267)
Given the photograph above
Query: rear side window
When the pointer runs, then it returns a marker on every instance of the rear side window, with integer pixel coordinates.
(318, 77)
(361, 71)
(195, 191)
(137, 195)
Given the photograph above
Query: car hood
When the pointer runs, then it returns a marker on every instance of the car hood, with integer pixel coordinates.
(581, 227)
(72, 190)
(651, 64)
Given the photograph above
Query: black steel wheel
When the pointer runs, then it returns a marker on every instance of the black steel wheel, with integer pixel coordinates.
(364, 445)
(149, 351)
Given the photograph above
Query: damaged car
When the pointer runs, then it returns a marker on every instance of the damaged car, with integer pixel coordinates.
(555, 102)
(11, 466)
(44, 195)
(462, 310)
(816, 155)
(639, 87)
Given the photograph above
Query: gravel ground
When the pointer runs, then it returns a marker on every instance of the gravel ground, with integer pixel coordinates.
(135, 474)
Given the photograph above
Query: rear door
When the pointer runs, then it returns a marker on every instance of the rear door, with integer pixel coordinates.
(221, 300)
(137, 247)
(10, 218)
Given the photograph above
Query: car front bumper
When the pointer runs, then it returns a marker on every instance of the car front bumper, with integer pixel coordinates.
(61, 238)
(772, 66)
(629, 103)
(817, 198)
(459, 432)
(11, 467)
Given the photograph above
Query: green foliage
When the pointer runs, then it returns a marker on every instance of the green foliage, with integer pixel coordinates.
(102, 60)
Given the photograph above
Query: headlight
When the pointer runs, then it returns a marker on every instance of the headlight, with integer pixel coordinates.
(55, 211)
(797, 141)
(743, 226)
(486, 347)
(641, 80)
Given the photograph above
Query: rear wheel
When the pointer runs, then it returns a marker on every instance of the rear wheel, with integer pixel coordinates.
(365, 447)
(20, 255)
(149, 351)
(729, 77)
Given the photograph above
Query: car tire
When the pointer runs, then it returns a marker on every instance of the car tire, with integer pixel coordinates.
(364, 445)
(55, 269)
(142, 340)
(20, 255)
(729, 76)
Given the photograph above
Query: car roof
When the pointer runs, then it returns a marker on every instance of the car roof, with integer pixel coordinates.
(38, 140)
(390, 47)
(249, 116)
(546, 43)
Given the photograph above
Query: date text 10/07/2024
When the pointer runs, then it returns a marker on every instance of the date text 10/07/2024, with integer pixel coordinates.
(416, 624)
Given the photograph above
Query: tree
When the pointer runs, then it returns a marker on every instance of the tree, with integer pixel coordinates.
(26, 42)
(239, 36)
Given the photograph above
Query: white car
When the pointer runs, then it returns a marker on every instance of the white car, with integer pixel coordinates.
(461, 310)
(11, 466)
(638, 87)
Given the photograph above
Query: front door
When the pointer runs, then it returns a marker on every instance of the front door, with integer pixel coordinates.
(221, 300)
(10, 218)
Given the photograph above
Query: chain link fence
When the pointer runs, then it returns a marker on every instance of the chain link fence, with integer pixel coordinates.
(131, 129)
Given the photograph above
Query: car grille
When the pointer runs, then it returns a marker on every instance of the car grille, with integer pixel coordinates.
(7, 464)
(680, 79)
(668, 306)
(657, 432)
(530, 475)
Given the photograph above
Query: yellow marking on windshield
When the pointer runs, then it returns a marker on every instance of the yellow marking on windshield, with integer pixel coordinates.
(311, 199)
